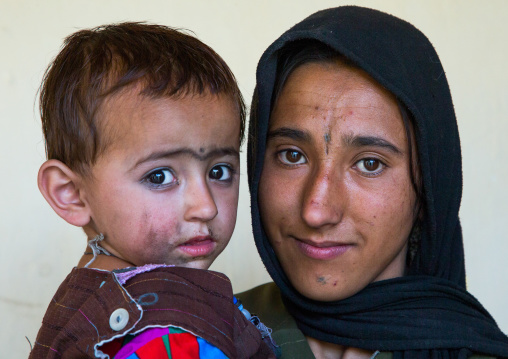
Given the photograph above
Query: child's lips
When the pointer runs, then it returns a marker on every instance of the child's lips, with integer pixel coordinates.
(199, 246)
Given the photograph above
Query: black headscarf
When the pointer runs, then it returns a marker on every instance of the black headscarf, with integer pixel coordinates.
(428, 312)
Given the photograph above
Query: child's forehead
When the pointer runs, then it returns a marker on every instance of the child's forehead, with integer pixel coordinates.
(129, 115)
(135, 101)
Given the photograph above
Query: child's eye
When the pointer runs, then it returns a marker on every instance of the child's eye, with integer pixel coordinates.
(221, 173)
(291, 157)
(370, 166)
(161, 177)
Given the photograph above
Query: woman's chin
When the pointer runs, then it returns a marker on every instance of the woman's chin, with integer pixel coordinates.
(326, 289)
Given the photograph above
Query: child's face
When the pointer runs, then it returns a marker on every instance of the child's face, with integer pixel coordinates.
(166, 189)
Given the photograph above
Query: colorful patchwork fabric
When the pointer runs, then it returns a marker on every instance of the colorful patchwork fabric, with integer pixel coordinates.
(167, 343)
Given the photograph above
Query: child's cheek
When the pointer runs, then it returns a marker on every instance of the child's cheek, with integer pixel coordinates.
(158, 238)
(161, 226)
(229, 207)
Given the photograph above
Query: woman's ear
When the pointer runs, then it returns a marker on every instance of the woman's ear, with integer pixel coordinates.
(63, 189)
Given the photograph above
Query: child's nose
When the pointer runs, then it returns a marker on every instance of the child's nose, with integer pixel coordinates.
(200, 204)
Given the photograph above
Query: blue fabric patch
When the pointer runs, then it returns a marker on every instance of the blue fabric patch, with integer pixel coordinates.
(207, 350)
(133, 356)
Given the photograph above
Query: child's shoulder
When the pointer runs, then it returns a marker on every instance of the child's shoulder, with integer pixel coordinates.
(92, 307)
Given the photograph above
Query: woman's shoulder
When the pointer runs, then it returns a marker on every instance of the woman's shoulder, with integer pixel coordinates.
(265, 301)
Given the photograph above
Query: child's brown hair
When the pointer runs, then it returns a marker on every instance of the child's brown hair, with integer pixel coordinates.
(99, 62)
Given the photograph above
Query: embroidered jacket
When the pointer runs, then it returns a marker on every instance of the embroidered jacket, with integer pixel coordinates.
(94, 309)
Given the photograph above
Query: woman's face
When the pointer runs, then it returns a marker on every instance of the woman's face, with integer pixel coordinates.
(335, 194)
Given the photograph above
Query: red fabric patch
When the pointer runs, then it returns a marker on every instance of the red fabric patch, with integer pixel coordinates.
(154, 349)
(184, 346)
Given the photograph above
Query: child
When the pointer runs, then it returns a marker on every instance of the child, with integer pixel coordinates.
(143, 126)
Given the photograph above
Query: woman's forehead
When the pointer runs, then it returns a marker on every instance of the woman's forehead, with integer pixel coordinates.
(331, 80)
(325, 97)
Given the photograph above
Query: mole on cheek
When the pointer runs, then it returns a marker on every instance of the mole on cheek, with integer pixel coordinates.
(321, 280)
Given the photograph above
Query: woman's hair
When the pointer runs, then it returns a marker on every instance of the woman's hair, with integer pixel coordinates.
(301, 52)
(96, 63)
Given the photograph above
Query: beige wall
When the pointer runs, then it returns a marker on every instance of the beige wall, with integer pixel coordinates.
(39, 249)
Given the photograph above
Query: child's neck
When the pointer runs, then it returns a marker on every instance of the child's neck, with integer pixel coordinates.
(103, 261)
(96, 256)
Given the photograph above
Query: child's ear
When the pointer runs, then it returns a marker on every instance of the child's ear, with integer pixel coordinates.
(63, 190)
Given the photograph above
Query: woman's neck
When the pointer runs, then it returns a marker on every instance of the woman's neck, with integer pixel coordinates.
(325, 350)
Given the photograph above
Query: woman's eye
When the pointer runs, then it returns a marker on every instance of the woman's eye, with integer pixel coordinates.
(292, 157)
(161, 177)
(221, 173)
(370, 166)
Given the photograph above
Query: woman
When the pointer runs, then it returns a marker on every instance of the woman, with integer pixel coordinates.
(355, 180)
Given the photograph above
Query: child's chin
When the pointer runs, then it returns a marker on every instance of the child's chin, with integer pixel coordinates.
(201, 263)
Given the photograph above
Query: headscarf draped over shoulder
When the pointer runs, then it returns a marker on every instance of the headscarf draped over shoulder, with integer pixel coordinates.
(428, 312)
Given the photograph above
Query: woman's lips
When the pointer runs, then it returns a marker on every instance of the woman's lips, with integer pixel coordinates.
(322, 251)
(198, 246)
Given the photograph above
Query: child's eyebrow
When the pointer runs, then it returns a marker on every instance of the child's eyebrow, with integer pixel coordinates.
(202, 156)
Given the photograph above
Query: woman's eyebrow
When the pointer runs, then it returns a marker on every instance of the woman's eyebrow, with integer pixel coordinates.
(371, 141)
(287, 132)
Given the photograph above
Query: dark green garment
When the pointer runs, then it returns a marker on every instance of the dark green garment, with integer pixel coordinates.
(265, 302)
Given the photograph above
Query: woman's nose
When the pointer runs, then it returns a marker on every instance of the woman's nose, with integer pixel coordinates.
(323, 202)
(199, 201)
